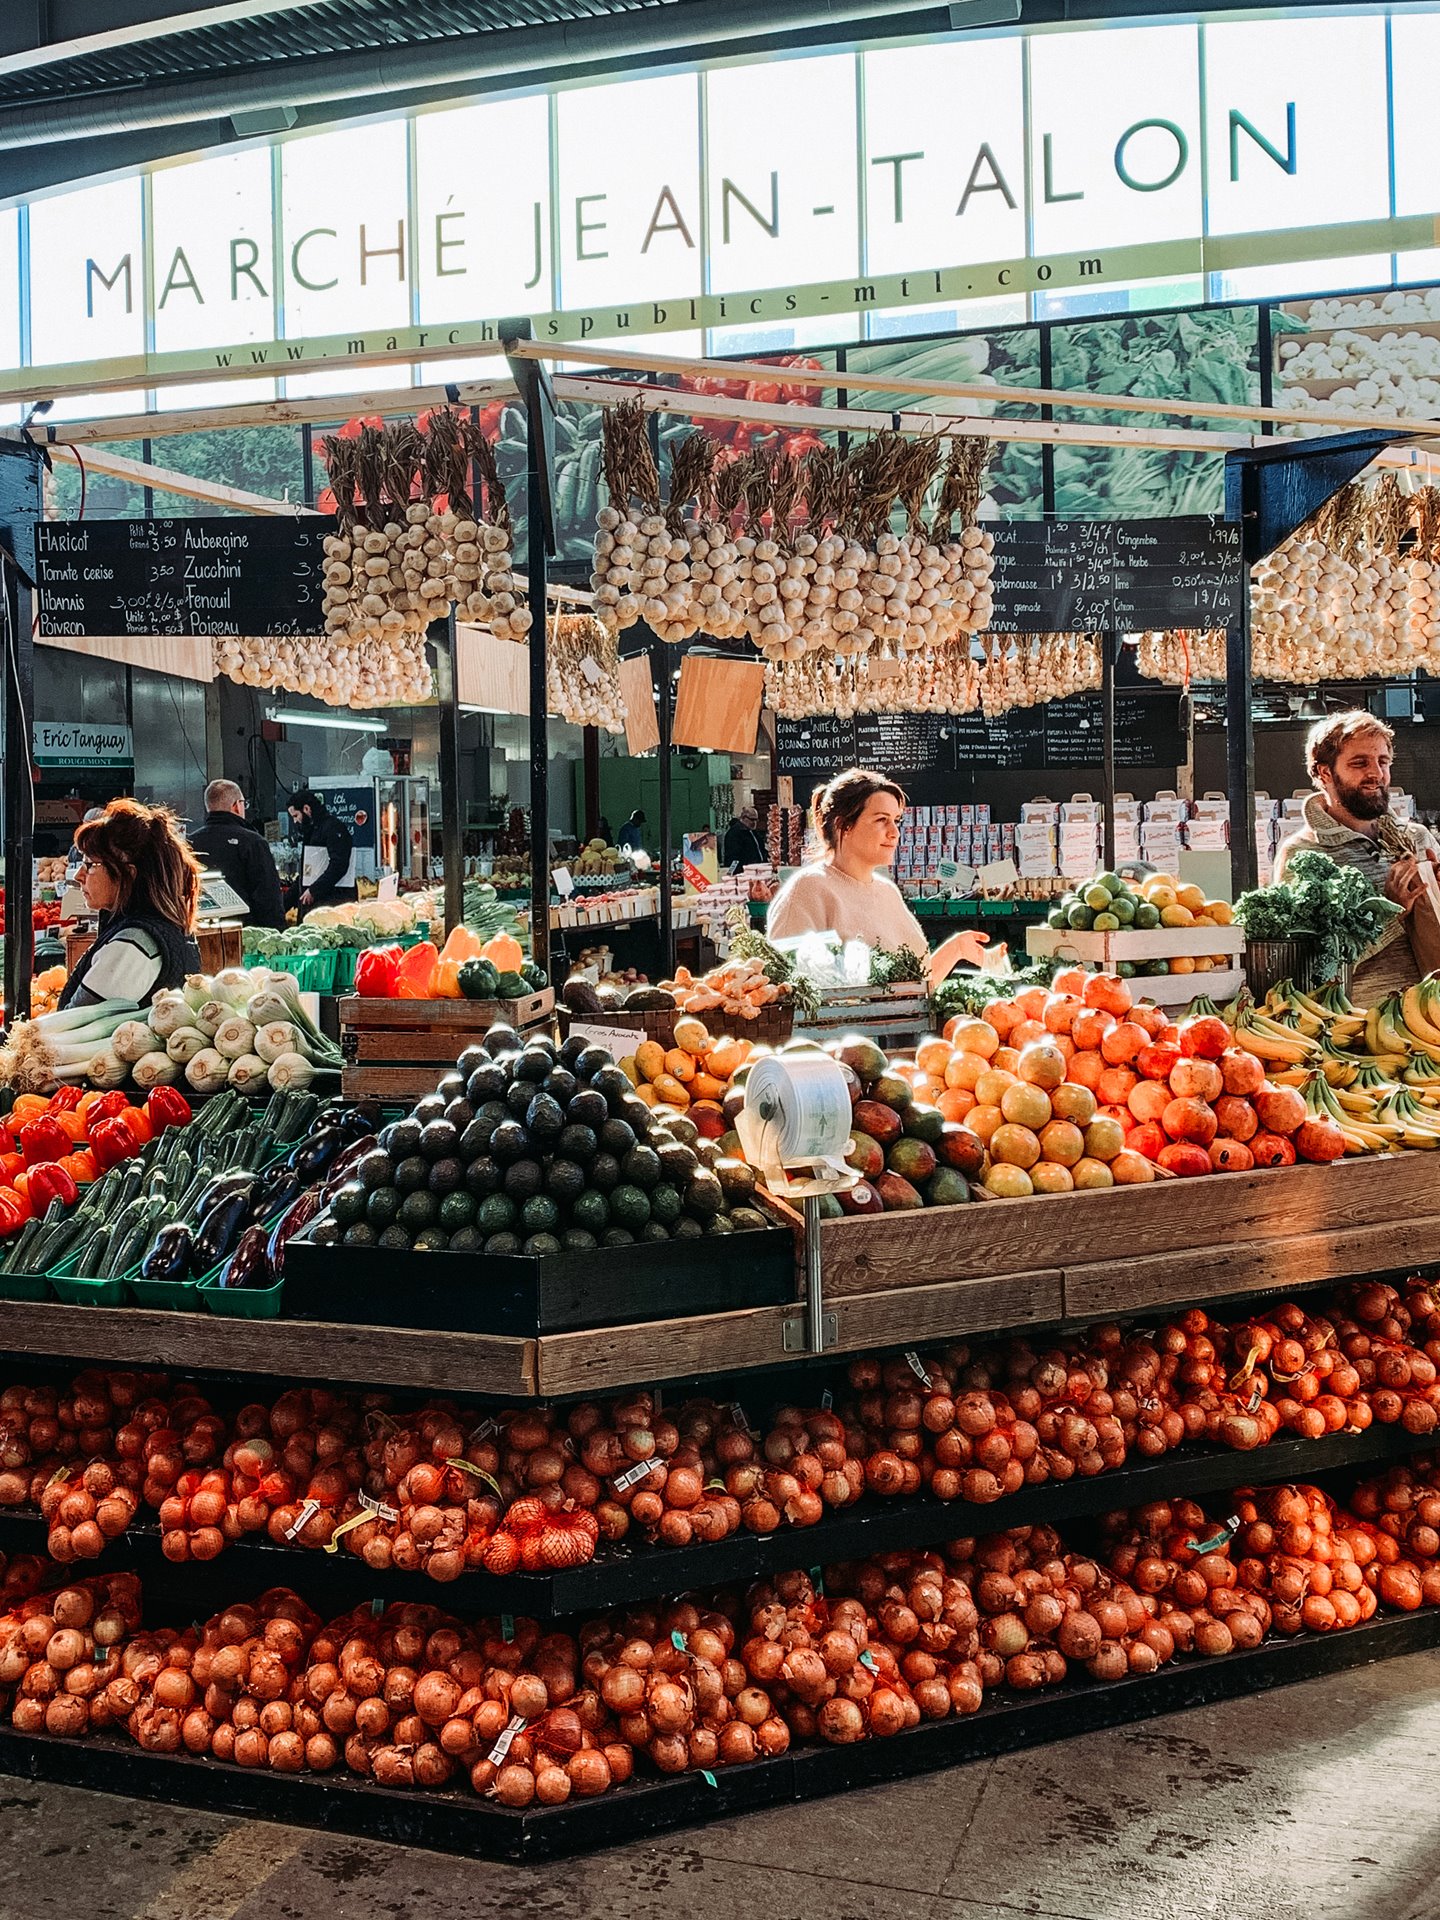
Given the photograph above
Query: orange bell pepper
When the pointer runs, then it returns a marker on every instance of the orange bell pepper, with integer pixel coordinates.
(10, 1165)
(138, 1121)
(70, 1124)
(28, 1106)
(80, 1166)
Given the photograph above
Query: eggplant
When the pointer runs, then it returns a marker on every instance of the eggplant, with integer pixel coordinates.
(314, 1156)
(348, 1159)
(355, 1121)
(249, 1265)
(290, 1222)
(275, 1188)
(218, 1231)
(222, 1187)
(170, 1255)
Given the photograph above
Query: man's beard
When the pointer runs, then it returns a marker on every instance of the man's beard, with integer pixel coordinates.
(1364, 803)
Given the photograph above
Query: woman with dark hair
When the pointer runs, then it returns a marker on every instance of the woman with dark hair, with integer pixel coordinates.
(144, 882)
(847, 892)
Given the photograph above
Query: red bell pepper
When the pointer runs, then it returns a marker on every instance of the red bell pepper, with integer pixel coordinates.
(13, 1211)
(377, 972)
(50, 1182)
(44, 1139)
(106, 1105)
(167, 1107)
(111, 1141)
(66, 1100)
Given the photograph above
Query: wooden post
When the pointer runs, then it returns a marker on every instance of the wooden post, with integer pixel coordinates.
(660, 670)
(590, 747)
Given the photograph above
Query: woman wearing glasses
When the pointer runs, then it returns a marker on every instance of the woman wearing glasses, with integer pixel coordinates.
(141, 878)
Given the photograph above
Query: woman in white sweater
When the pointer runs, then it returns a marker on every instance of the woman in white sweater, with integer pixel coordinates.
(848, 892)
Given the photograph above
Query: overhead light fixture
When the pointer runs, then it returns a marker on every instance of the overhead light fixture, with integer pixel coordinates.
(286, 717)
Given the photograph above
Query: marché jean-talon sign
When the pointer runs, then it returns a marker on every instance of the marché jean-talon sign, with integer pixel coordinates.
(973, 168)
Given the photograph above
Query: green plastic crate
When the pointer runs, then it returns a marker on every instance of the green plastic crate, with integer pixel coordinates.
(24, 1286)
(66, 1285)
(174, 1296)
(346, 961)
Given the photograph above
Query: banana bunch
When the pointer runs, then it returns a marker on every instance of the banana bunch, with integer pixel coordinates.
(1422, 1076)
(1419, 1126)
(1280, 1047)
(1327, 1011)
(1419, 1017)
(1364, 1132)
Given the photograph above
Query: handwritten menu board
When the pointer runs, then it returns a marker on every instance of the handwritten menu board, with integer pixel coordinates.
(109, 578)
(1109, 576)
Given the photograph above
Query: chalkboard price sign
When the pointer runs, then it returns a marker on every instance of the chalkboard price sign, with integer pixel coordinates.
(111, 578)
(1106, 576)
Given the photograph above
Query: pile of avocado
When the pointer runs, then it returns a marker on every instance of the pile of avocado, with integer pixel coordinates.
(532, 1148)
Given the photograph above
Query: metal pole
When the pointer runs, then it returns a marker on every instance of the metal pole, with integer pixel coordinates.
(452, 843)
(814, 1282)
(660, 671)
(537, 398)
(1110, 643)
(590, 747)
(1240, 754)
(20, 506)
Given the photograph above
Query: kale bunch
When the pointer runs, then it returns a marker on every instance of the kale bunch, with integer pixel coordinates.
(1330, 907)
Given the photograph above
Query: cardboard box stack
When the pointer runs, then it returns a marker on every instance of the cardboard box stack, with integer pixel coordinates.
(1160, 831)
(1082, 828)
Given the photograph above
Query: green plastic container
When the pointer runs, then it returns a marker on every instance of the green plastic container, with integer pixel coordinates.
(87, 1293)
(238, 1303)
(346, 961)
(174, 1296)
(24, 1286)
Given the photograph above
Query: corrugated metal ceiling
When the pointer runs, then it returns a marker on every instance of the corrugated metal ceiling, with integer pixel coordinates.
(266, 44)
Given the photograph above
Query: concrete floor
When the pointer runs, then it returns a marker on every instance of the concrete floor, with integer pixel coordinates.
(1312, 1800)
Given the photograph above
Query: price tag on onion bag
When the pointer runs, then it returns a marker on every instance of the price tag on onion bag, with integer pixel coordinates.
(917, 1367)
(377, 1607)
(817, 1579)
(738, 1416)
(505, 1740)
(1215, 1542)
(485, 1429)
(632, 1475)
(507, 1627)
(867, 1660)
(378, 1507)
(677, 1640)
(477, 1473)
(307, 1512)
(827, 1400)
(709, 1778)
(332, 1545)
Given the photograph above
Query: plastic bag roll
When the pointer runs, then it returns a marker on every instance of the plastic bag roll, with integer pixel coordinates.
(803, 1104)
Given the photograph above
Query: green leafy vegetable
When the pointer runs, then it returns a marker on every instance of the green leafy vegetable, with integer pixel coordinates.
(1331, 907)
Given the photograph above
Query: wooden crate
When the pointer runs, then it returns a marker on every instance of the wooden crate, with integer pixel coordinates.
(1117, 1226)
(775, 1025)
(1103, 950)
(220, 947)
(891, 1016)
(397, 1049)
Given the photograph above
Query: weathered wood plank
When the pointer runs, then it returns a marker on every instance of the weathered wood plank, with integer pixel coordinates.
(592, 1362)
(1107, 1289)
(308, 1349)
(367, 1010)
(866, 1253)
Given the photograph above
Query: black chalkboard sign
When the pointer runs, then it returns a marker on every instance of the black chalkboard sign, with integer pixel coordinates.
(1062, 733)
(1109, 576)
(110, 578)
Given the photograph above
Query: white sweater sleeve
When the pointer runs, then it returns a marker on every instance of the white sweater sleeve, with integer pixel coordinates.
(126, 969)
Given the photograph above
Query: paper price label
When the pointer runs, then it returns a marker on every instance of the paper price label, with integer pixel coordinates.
(632, 1475)
(507, 1627)
(827, 1400)
(591, 669)
(917, 1367)
(564, 885)
(378, 1507)
(307, 1512)
(505, 1740)
(738, 1416)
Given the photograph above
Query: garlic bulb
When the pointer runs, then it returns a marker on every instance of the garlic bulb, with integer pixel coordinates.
(583, 673)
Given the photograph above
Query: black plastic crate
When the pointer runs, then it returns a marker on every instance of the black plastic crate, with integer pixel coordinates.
(527, 1294)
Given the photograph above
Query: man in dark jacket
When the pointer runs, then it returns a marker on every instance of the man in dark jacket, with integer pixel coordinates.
(239, 854)
(318, 828)
(742, 846)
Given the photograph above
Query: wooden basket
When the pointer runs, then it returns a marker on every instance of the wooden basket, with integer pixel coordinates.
(399, 1048)
(772, 1028)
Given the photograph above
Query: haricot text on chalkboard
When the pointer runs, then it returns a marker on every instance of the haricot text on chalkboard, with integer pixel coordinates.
(112, 578)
